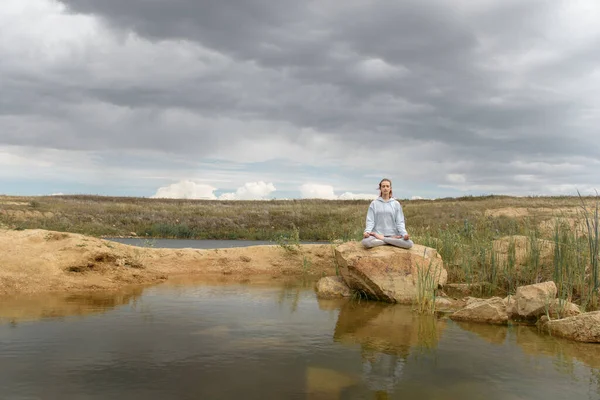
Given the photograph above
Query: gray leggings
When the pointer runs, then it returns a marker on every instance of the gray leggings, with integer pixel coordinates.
(372, 241)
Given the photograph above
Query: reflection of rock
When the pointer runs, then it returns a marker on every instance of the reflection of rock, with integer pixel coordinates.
(532, 342)
(330, 287)
(322, 383)
(491, 333)
(388, 273)
(384, 328)
(63, 304)
(492, 311)
(532, 301)
(331, 304)
(581, 328)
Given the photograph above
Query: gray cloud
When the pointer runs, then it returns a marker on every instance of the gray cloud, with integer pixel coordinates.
(485, 90)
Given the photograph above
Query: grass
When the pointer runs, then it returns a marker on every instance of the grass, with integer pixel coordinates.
(558, 236)
(426, 289)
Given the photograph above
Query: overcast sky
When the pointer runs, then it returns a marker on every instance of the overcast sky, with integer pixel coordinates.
(289, 99)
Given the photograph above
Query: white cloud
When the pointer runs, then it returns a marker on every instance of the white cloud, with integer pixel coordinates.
(456, 178)
(376, 68)
(357, 196)
(317, 191)
(250, 191)
(186, 190)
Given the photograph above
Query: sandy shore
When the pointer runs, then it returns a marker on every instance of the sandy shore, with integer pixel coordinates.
(40, 261)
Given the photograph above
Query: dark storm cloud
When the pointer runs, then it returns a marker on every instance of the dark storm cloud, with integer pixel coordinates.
(484, 80)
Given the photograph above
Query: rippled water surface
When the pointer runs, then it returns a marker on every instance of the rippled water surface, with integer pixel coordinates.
(209, 341)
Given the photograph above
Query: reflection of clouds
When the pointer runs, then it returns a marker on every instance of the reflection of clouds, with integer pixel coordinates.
(221, 331)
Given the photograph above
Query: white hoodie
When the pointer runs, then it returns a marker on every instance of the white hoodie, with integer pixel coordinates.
(386, 218)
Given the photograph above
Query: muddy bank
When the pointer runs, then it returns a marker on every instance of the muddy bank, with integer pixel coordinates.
(38, 261)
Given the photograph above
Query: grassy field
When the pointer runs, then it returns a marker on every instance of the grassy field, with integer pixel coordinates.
(504, 241)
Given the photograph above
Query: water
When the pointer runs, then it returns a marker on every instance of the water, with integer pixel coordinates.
(192, 340)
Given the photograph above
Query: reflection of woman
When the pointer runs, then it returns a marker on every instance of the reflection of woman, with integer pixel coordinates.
(385, 220)
(382, 372)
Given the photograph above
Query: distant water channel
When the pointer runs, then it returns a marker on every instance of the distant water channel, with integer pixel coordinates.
(193, 340)
(195, 244)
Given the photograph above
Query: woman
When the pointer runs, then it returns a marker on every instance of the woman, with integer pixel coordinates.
(385, 221)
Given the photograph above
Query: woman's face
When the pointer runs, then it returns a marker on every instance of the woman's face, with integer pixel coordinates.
(385, 188)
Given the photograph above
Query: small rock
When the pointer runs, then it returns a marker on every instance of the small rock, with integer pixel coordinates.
(491, 311)
(331, 287)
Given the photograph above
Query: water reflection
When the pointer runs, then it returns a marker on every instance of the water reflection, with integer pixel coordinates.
(387, 335)
(495, 334)
(388, 329)
(59, 305)
(564, 352)
(275, 341)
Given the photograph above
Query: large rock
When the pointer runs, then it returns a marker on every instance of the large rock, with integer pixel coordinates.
(388, 273)
(582, 328)
(491, 311)
(331, 287)
(532, 301)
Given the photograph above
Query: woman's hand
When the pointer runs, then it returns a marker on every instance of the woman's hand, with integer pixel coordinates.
(405, 237)
(366, 234)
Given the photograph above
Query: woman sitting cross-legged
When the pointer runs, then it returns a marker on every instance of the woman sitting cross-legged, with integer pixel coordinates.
(385, 221)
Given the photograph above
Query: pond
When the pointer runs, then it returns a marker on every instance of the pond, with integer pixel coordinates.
(189, 339)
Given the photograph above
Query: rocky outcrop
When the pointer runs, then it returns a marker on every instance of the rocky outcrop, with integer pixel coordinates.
(525, 249)
(331, 287)
(581, 328)
(491, 311)
(388, 273)
(532, 301)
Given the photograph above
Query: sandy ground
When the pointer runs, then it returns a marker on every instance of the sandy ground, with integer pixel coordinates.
(40, 261)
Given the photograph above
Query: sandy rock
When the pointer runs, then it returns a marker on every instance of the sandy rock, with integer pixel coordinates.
(509, 302)
(491, 311)
(388, 273)
(582, 328)
(447, 304)
(532, 301)
(331, 287)
(36, 261)
(470, 300)
(524, 249)
(563, 309)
